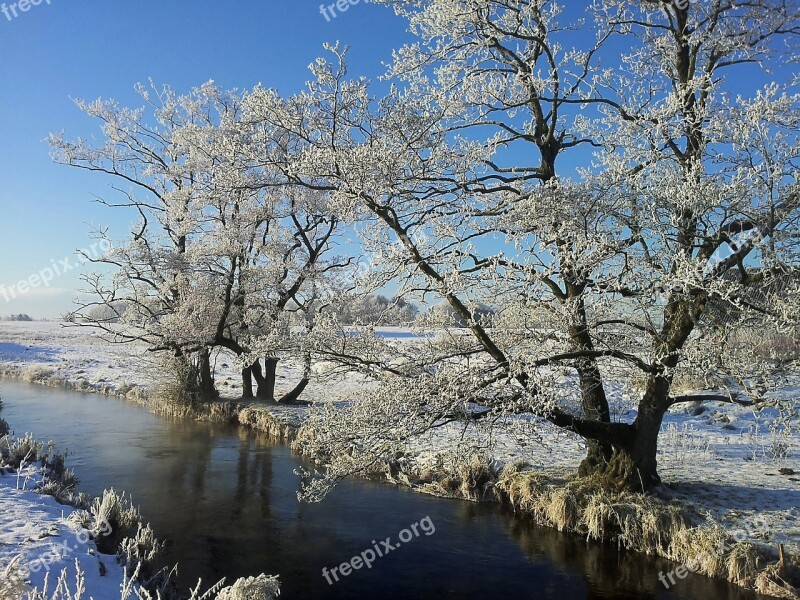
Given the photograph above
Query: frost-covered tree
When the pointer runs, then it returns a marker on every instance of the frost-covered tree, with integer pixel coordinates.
(375, 309)
(446, 314)
(225, 253)
(20, 317)
(681, 192)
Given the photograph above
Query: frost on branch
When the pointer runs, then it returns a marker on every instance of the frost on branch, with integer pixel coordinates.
(635, 264)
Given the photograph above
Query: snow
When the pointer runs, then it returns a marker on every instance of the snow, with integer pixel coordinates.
(38, 538)
(38, 351)
(724, 461)
(54, 352)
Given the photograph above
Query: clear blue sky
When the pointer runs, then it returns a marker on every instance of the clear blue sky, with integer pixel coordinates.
(101, 48)
(64, 49)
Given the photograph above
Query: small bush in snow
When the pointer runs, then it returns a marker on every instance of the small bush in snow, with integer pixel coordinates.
(142, 549)
(262, 587)
(117, 511)
(18, 452)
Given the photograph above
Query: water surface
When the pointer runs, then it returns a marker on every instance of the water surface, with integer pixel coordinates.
(226, 503)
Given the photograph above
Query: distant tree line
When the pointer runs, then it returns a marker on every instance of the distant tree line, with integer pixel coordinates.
(19, 317)
(377, 310)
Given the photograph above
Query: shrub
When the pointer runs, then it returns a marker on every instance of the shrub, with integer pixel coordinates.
(18, 452)
(262, 587)
(252, 588)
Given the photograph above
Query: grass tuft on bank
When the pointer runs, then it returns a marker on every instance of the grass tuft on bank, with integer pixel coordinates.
(648, 524)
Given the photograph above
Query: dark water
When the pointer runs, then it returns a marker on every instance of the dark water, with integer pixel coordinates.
(226, 503)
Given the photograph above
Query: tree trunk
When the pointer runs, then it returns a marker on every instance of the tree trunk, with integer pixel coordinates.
(593, 394)
(247, 383)
(265, 379)
(595, 407)
(598, 455)
(633, 465)
(292, 396)
(207, 389)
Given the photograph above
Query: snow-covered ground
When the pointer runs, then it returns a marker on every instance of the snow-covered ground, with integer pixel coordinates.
(44, 351)
(39, 542)
(727, 462)
(724, 460)
(45, 554)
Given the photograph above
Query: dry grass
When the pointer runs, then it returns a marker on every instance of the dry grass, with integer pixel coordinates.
(743, 563)
(261, 419)
(642, 523)
(582, 505)
(766, 343)
(699, 548)
(772, 582)
(447, 475)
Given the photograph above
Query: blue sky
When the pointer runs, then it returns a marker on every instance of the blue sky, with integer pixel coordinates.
(65, 49)
(62, 49)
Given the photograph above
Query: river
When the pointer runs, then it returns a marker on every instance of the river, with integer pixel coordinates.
(225, 501)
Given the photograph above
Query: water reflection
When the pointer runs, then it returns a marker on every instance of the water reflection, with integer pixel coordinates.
(609, 572)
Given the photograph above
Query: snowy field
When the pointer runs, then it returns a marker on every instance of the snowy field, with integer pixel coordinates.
(39, 351)
(732, 464)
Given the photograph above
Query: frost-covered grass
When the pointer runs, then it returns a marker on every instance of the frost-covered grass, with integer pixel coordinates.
(52, 478)
(39, 544)
(62, 587)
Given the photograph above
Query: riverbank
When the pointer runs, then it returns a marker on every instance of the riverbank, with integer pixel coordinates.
(58, 544)
(39, 540)
(728, 467)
